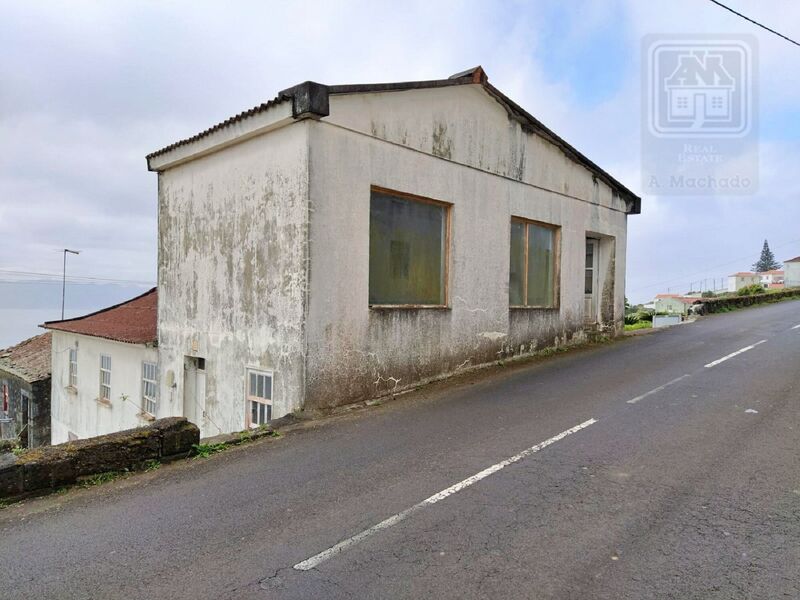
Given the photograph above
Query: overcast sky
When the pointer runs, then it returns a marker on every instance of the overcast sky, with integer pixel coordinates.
(89, 88)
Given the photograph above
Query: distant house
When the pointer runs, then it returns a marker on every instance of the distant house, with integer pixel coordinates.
(674, 304)
(338, 243)
(772, 279)
(739, 280)
(791, 269)
(105, 370)
(25, 392)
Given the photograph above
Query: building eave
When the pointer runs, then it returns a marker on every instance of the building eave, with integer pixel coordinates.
(310, 99)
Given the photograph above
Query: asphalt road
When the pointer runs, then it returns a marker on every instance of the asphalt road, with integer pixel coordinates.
(690, 490)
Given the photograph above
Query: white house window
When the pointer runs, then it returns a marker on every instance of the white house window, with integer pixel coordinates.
(73, 367)
(149, 371)
(259, 398)
(105, 377)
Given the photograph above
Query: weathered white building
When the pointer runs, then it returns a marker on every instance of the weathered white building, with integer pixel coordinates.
(340, 242)
(105, 370)
(791, 268)
(739, 280)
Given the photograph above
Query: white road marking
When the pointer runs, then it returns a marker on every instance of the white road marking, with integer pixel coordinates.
(732, 354)
(796, 327)
(315, 560)
(658, 389)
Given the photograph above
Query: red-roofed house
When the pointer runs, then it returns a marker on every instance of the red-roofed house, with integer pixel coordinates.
(25, 392)
(105, 370)
(791, 269)
(742, 279)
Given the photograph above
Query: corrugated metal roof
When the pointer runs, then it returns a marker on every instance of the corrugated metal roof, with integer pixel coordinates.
(226, 123)
(133, 321)
(29, 359)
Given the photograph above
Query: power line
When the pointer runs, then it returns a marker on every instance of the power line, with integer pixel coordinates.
(691, 276)
(72, 277)
(746, 18)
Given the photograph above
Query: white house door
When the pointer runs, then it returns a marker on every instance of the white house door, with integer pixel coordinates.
(194, 389)
(590, 281)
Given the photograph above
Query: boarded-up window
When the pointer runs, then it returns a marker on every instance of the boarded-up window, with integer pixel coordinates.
(407, 251)
(533, 269)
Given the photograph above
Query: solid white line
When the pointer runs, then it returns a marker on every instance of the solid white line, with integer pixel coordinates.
(796, 327)
(315, 560)
(732, 354)
(658, 389)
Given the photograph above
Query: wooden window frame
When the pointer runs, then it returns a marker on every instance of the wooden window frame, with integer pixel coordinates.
(248, 398)
(556, 264)
(448, 206)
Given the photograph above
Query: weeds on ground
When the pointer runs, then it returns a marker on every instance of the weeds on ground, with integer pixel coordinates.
(101, 478)
(206, 450)
(152, 465)
(639, 325)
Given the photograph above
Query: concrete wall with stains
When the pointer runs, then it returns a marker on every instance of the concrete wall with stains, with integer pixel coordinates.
(76, 409)
(457, 145)
(232, 256)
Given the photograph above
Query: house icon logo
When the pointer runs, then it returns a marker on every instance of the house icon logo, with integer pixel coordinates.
(699, 89)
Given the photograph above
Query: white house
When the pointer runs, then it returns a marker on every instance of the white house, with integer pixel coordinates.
(791, 269)
(105, 370)
(739, 280)
(772, 278)
(337, 243)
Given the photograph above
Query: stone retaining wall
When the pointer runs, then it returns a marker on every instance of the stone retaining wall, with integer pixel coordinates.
(712, 305)
(54, 466)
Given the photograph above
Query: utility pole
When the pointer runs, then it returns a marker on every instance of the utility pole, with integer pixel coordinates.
(64, 279)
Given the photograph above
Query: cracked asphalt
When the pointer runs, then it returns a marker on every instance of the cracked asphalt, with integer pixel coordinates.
(691, 492)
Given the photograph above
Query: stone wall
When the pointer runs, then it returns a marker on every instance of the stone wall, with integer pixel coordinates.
(54, 466)
(712, 305)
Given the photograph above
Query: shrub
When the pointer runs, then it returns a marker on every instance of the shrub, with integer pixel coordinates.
(750, 290)
(708, 294)
(632, 319)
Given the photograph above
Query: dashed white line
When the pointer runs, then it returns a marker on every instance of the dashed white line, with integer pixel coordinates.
(796, 327)
(732, 354)
(658, 389)
(315, 560)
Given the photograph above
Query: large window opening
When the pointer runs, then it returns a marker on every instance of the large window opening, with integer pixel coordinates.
(533, 279)
(408, 239)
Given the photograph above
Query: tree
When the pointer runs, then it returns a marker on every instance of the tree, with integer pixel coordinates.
(767, 261)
